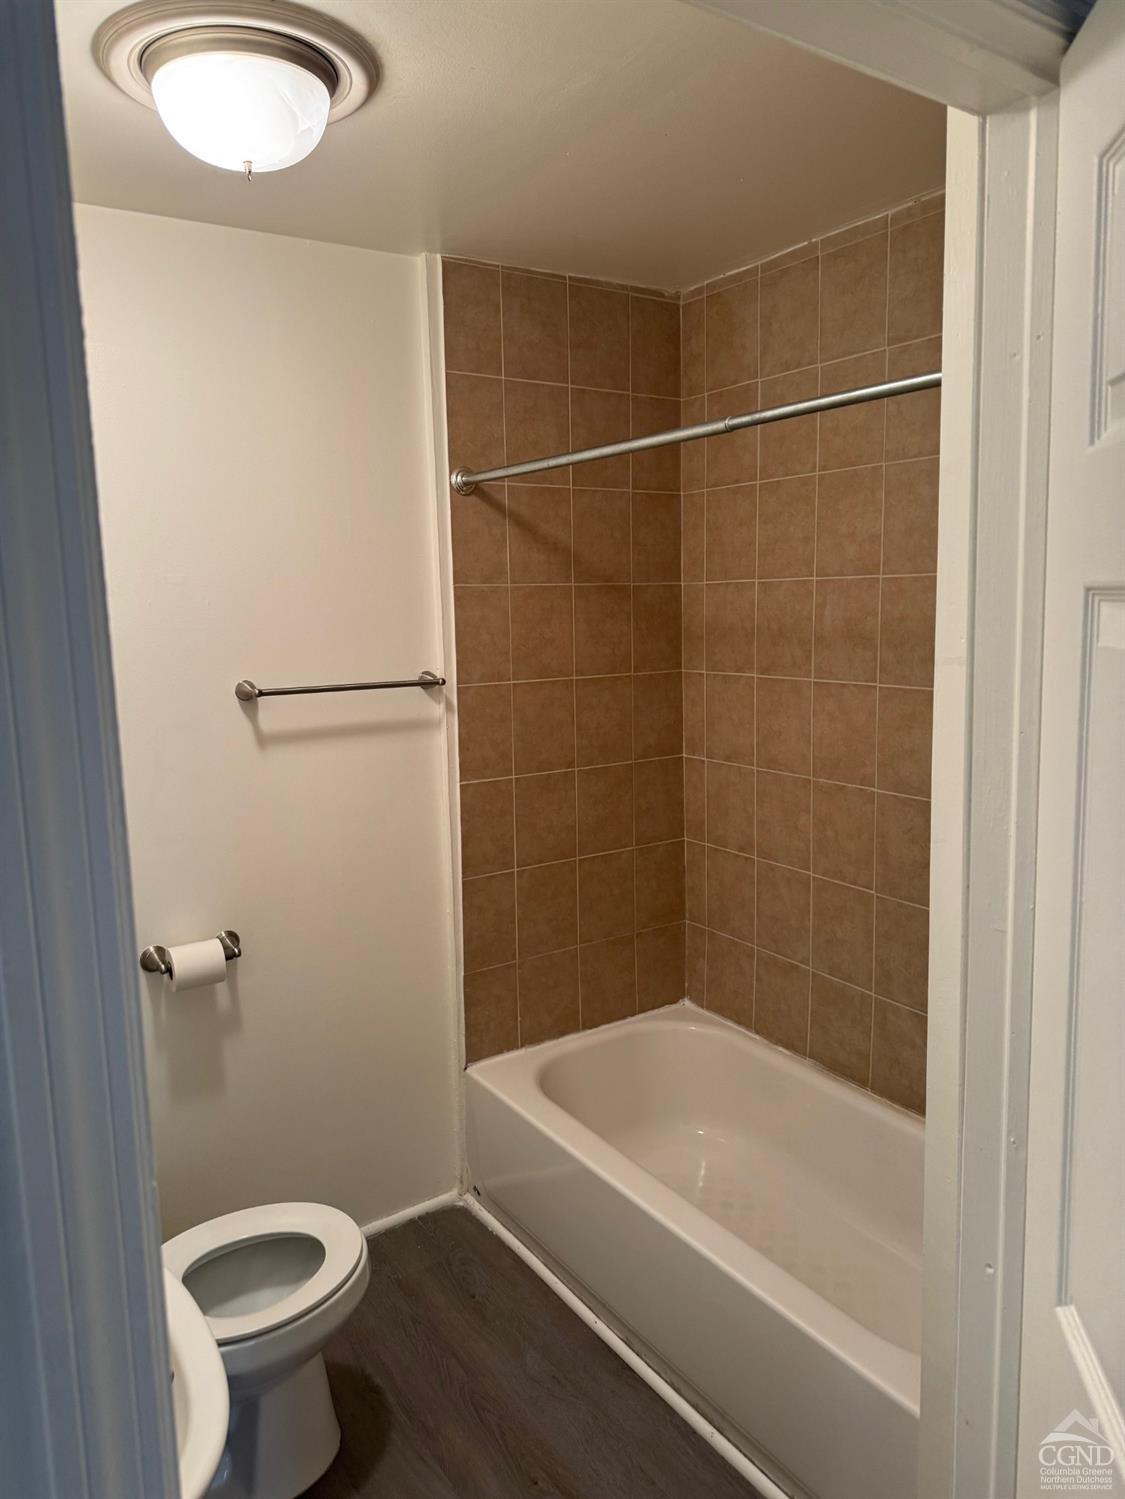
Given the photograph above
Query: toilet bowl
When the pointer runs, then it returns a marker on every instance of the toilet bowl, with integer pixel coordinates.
(274, 1283)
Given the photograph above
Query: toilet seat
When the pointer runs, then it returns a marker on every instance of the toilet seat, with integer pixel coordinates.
(338, 1236)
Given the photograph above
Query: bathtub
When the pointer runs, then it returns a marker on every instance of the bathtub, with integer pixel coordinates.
(748, 1222)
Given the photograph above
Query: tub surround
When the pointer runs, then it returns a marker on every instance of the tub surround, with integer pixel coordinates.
(777, 1213)
(809, 554)
(798, 694)
(568, 627)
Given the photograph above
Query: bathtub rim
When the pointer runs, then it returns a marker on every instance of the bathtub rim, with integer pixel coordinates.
(514, 1078)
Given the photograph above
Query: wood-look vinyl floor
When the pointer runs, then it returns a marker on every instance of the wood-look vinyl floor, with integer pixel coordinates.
(462, 1376)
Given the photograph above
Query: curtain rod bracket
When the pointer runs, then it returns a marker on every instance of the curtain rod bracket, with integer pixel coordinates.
(461, 482)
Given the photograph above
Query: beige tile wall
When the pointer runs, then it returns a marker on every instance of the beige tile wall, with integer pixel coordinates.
(796, 567)
(809, 553)
(567, 610)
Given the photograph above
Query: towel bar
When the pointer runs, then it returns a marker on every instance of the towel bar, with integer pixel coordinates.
(249, 692)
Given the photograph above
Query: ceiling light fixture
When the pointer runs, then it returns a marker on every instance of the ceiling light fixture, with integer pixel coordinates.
(248, 87)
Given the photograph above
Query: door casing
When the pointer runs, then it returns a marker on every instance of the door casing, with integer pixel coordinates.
(85, 1408)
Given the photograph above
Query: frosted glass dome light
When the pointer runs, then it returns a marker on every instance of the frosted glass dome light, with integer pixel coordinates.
(244, 101)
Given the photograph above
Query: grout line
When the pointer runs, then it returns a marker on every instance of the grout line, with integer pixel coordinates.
(706, 995)
(816, 245)
(603, 390)
(670, 671)
(511, 684)
(552, 952)
(754, 731)
(683, 754)
(573, 645)
(562, 770)
(812, 649)
(826, 879)
(872, 992)
(698, 583)
(878, 674)
(592, 283)
(781, 578)
(683, 659)
(633, 644)
(843, 468)
(532, 481)
(785, 374)
(796, 775)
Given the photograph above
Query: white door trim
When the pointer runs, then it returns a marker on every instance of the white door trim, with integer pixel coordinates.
(85, 1408)
(1000, 206)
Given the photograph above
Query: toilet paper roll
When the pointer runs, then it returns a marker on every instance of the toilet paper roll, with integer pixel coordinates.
(197, 963)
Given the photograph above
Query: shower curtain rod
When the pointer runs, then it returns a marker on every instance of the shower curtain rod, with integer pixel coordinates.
(464, 482)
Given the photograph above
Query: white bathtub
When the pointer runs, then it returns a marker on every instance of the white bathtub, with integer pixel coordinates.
(750, 1221)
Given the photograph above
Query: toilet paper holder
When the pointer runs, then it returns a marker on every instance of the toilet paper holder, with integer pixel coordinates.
(157, 960)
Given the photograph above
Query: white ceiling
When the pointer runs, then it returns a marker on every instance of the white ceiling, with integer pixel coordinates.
(637, 140)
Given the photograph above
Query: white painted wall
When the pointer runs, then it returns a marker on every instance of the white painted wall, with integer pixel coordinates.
(264, 460)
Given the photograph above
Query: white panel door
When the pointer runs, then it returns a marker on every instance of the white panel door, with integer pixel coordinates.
(1072, 1394)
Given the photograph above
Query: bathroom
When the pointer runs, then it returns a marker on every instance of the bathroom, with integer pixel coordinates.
(558, 1004)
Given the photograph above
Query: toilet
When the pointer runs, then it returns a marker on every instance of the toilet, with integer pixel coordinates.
(274, 1283)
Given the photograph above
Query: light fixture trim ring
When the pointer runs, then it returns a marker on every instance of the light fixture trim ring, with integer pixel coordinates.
(125, 42)
(251, 40)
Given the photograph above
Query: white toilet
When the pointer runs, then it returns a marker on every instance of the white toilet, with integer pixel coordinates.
(275, 1283)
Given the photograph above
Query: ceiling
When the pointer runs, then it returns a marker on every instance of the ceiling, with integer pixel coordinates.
(644, 141)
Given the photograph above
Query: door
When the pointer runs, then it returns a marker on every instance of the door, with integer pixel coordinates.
(1072, 1396)
(85, 1402)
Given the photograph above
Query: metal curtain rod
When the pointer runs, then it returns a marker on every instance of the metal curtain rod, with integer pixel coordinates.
(248, 692)
(464, 483)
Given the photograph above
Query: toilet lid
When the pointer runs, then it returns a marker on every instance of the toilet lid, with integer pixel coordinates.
(339, 1237)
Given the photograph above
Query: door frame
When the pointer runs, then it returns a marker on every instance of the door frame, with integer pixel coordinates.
(1000, 207)
(80, 1240)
